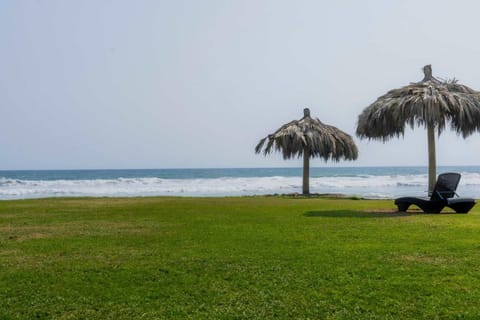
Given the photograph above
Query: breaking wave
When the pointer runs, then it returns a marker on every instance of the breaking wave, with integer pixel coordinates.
(369, 186)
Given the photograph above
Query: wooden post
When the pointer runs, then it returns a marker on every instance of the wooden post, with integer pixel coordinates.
(306, 161)
(427, 71)
(306, 112)
(432, 162)
(306, 171)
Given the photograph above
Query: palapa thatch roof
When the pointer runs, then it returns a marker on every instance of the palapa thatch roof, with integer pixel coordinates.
(312, 136)
(428, 102)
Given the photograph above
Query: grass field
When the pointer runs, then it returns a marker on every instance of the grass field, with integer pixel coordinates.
(235, 258)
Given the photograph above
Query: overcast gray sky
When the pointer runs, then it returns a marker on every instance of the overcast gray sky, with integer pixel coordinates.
(174, 84)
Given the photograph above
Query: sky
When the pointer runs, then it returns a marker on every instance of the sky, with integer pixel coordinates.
(89, 84)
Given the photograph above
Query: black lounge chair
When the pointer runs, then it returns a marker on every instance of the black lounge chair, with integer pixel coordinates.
(442, 196)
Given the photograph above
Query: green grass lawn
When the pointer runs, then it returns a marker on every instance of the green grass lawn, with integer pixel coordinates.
(235, 258)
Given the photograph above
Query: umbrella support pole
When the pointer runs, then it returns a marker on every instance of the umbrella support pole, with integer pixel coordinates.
(432, 162)
(306, 172)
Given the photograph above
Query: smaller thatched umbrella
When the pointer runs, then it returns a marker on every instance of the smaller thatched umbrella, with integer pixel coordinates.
(430, 103)
(309, 138)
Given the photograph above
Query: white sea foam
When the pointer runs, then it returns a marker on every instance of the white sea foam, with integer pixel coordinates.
(365, 185)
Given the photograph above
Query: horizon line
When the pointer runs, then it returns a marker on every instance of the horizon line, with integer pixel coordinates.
(233, 168)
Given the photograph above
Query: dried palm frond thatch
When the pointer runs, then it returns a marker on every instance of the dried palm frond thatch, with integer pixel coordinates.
(431, 103)
(309, 138)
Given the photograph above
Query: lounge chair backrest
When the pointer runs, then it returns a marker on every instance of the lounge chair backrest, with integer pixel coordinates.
(446, 186)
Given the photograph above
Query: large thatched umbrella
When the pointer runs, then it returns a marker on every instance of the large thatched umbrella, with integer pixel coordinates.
(309, 138)
(430, 103)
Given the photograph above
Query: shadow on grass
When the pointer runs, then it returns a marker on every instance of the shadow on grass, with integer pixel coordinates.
(373, 214)
(357, 214)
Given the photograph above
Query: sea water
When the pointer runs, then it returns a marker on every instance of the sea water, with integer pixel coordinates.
(367, 182)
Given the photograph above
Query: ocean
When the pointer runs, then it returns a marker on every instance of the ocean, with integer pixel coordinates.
(366, 182)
